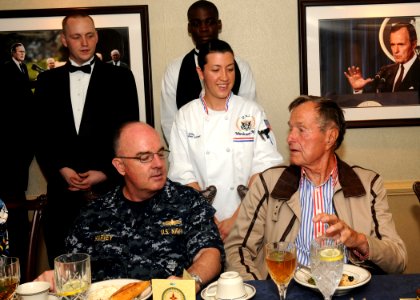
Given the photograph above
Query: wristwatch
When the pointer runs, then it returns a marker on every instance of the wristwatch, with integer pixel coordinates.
(197, 279)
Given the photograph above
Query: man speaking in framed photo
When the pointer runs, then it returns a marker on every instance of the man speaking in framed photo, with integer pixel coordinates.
(403, 75)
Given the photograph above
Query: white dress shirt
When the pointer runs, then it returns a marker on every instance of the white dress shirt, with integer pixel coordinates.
(79, 83)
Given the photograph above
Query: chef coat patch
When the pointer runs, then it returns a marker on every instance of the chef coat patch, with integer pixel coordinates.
(245, 126)
(192, 135)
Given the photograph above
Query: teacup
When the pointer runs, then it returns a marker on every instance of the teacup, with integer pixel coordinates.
(229, 286)
(36, 290)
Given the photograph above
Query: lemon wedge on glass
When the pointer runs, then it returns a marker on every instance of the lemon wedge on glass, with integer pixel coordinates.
(330, 254)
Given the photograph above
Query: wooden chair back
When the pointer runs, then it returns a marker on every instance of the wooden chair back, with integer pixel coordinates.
(209, 193)
(416, 189)
(35, 210)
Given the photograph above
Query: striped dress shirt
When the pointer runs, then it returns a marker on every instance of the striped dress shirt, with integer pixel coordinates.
(313, 200)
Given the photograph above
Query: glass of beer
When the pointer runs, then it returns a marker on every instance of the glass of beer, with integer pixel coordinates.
(280, 258)
(72, 276)
(9, 277)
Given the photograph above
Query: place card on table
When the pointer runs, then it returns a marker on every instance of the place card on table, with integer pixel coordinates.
(173, 289)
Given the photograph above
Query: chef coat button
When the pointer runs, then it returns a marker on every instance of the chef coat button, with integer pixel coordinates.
(232, 188)
(226, 118)
(227, 149)
(207, 152)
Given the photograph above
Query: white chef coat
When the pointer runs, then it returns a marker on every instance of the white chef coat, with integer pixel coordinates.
(221, 148)
(168, 107)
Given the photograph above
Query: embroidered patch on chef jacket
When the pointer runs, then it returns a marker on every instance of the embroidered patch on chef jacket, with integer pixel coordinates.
(245, 126)
(264, 133)
(192, 135)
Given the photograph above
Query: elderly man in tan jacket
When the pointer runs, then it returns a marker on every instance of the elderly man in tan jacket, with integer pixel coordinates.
(317, 194)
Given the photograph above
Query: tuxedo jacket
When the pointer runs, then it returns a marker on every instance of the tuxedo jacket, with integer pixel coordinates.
(411, 81)
(16, 127)
(111, 100)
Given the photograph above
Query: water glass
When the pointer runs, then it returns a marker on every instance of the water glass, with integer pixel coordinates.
(72, 276)
(327, 259)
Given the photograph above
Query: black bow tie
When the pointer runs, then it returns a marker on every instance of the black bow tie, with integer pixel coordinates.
(85, 68)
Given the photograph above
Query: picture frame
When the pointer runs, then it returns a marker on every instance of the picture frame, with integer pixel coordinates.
(133, 21)
(326, 51)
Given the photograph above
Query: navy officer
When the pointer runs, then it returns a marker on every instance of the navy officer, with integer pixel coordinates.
(150, 227)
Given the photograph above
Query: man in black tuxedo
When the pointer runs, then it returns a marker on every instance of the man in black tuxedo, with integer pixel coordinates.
(80, 106)
(16, 150)
(404, 75)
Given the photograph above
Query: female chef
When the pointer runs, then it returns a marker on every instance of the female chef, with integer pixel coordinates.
(220, 139)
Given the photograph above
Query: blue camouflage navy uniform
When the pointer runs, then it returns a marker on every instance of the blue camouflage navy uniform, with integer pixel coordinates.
(144, 240)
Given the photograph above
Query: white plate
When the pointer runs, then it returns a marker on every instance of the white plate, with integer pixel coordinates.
(102, 290)
(52, 297)
(249, 289)
(361, 276)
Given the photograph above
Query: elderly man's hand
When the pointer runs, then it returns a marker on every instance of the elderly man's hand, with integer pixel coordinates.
(47, 276)
(343, 233)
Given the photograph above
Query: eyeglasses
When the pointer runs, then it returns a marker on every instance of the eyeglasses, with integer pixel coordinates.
(148, 156)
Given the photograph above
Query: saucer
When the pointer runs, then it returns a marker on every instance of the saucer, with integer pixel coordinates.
(249, 292)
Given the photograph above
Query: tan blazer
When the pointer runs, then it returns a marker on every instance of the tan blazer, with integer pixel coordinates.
(271, 212)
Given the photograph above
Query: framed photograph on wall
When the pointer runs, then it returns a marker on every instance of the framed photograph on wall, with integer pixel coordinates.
(125, 28)
(336, 35)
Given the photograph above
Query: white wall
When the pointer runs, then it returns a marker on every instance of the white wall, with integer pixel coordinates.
(265, 33)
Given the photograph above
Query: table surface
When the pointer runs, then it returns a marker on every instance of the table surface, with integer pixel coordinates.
(379, 287)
